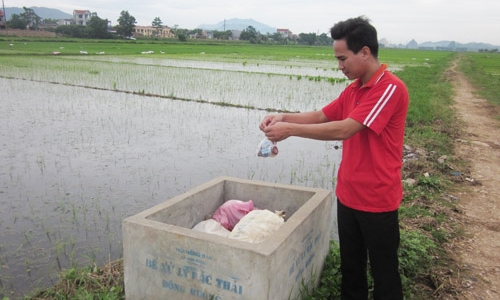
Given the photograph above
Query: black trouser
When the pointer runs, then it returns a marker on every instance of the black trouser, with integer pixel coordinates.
(375, 235)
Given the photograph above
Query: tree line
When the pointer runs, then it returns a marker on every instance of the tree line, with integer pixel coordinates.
(98, 28)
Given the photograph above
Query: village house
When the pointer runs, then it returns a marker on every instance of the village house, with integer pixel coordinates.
(150, 31)
(65, 22)
(199, 35)
(82, 17)
(285, 33)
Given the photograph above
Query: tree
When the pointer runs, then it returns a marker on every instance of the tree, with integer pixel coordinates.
(182, 34)
(249, 34)
(126, 24)
(182, 37)
(308, 38)
(157, 24)
(49, 22)
(278, 38)
(16, 22)
(222, 35)
(76, 31)
(31, 18)
(98, 28)
(325, 40)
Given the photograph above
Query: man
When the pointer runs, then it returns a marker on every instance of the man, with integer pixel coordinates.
(369, 117)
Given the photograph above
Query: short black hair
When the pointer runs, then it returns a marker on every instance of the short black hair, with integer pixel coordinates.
(358, 33)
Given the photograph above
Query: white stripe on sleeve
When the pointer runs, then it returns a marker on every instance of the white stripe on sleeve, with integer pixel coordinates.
(380, 105)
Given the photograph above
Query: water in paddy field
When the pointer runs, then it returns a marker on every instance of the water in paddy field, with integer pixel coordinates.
(76, 161)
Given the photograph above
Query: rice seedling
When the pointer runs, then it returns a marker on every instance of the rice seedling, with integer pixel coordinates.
(214, 83)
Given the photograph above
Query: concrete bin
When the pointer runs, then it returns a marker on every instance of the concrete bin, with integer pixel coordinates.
(165, 259)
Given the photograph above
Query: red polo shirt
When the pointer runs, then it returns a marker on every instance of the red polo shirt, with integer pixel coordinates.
(369, 176)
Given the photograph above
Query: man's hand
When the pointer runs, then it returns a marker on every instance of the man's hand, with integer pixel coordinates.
(270, 120)
(278, 131)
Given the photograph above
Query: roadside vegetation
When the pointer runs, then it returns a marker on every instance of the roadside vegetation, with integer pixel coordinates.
(483, 70)
(429, 215)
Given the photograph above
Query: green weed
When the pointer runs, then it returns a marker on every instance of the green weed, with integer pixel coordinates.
(483, 70)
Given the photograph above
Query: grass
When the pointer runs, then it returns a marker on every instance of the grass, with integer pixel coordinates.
(93, 282)
(173, 48)
(483, 70)
(427, 266)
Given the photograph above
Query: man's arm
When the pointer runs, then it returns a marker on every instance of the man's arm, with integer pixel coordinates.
(312, 117)
(312, 125)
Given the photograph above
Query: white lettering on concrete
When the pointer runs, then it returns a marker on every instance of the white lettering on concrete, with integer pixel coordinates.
(303, 260)
(191, 274)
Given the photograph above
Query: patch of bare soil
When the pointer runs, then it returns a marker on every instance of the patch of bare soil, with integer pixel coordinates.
(479, 251)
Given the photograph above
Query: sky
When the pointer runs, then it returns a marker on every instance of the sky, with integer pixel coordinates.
(398, 21)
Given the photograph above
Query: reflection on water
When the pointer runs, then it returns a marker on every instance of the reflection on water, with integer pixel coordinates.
(75, 162)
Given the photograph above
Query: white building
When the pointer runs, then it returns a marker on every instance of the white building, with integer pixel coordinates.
(81, 17)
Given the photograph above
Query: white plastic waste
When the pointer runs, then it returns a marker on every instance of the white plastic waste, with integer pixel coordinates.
(267, 148)
(213, 227)
(256, 226)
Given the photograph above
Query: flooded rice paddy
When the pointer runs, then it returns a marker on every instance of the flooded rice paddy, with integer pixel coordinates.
(89, 141)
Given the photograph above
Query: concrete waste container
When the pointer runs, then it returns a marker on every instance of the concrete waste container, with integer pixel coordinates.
(165, 259)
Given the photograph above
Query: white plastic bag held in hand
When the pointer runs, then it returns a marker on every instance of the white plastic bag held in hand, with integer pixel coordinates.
(267, 148)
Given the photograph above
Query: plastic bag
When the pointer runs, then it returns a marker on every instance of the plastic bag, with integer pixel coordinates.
(267, 148)
(256, 226)
(213, 227)
(230, 213)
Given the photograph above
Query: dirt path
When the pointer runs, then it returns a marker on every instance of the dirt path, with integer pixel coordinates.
(479, 252)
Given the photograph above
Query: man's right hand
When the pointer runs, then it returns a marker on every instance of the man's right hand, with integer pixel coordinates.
(270, 120)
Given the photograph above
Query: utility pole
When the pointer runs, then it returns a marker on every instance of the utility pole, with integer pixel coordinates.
(4, 16)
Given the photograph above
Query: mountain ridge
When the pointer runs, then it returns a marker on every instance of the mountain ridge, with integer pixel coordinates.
(42, 12)
(449, 44)
(238, 24)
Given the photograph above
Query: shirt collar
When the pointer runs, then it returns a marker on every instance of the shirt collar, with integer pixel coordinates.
(375, 78)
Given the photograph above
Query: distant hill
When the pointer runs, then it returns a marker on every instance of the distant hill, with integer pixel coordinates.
(470, 46)
(42, 12)
(443, 45)
(238, 24)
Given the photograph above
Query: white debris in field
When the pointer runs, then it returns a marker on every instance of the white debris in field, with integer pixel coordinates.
(477, 143)
(442, 159)
(409, 182)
